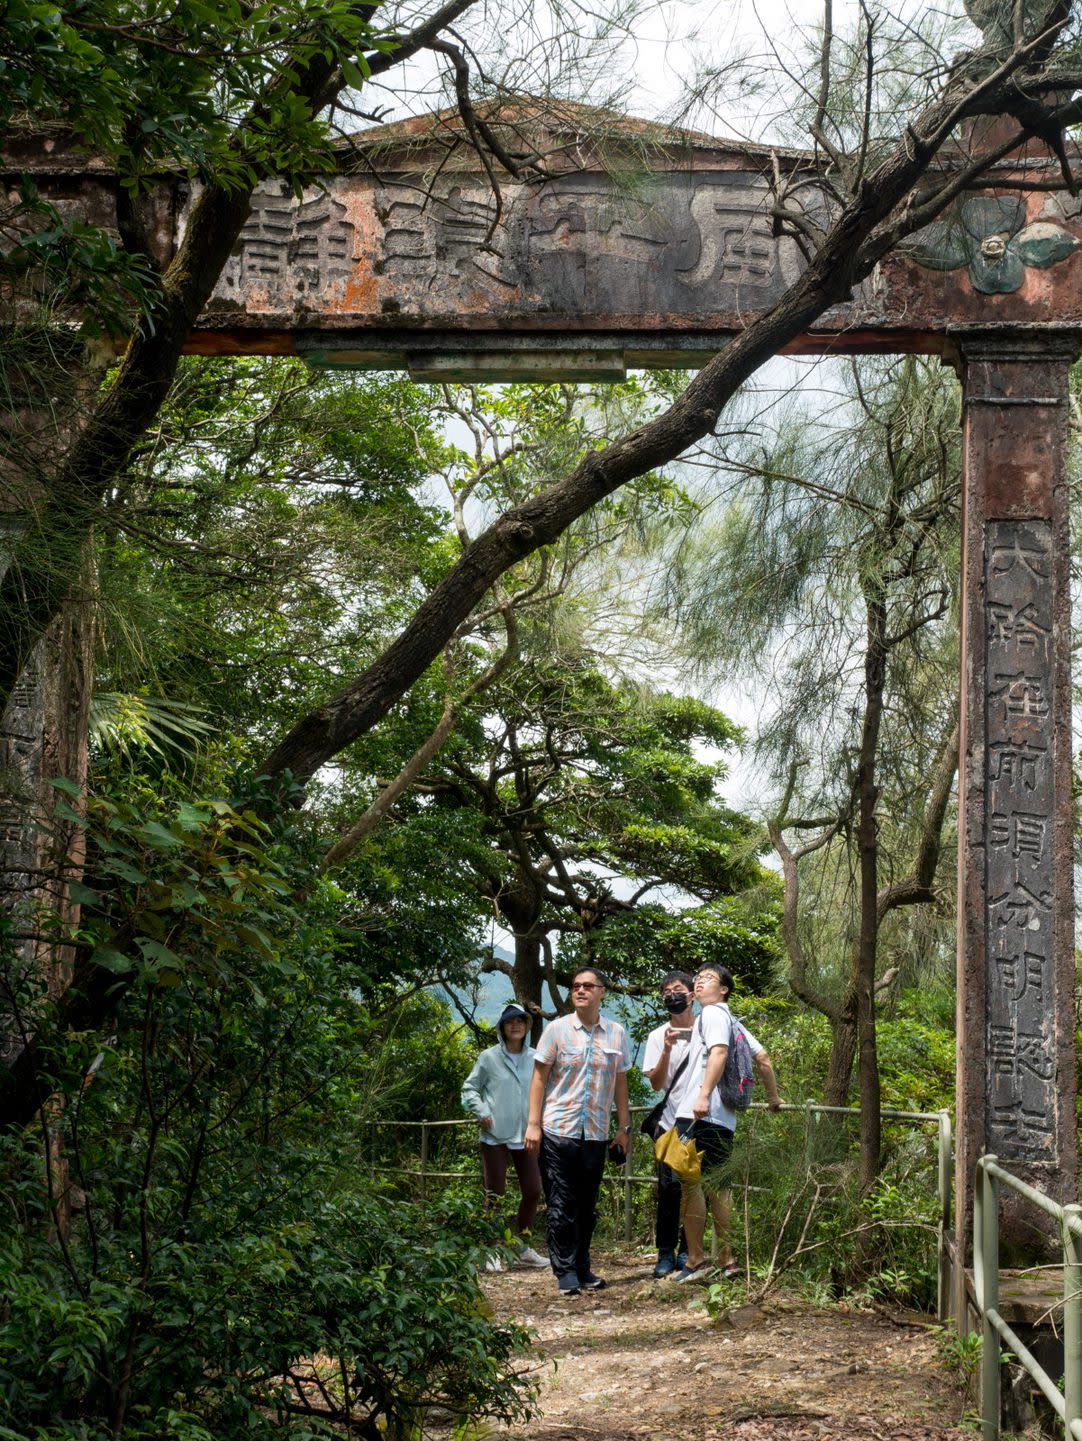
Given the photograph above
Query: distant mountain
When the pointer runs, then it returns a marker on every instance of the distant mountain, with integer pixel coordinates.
(486, 998)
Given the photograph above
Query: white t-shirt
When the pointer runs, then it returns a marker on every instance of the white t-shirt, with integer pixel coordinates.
(655, 1044)
(713, 1028)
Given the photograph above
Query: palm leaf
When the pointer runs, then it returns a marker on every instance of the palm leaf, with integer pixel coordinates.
(122, 723)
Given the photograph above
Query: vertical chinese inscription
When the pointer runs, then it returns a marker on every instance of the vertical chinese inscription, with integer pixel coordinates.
(1019, 864)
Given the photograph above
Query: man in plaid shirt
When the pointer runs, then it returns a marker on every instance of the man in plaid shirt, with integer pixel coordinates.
(580, 1068)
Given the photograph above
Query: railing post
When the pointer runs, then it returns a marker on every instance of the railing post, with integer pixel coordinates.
(986, 1279)
(946, 1166)
(1072, 1321)
(627, 1186)
(424, 1160)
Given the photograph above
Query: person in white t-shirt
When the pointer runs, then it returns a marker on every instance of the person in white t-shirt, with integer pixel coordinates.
(664, 1058)
(701, 1116)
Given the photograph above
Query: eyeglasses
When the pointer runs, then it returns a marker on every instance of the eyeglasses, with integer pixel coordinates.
(586, 986)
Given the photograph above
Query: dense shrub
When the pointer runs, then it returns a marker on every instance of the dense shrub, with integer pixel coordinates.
(204, 1254)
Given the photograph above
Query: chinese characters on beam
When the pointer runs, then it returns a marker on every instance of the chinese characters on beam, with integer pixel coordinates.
(361, 247)
(1019, 880)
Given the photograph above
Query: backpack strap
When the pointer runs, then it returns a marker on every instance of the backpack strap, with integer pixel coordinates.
(681, 1068)
(657, 1110)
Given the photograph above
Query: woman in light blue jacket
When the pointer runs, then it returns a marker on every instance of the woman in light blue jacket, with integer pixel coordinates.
(497, 1092)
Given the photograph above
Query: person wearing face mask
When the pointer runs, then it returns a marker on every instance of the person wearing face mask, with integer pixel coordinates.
(664, 1060)
(496, 1092)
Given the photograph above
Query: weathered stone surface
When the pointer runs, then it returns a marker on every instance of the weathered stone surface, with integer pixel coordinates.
(1016, 1069)
(365, 250)
(406, 258)
(390, 268)
(1019, 745)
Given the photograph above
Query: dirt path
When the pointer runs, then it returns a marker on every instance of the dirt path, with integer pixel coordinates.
(639, 1360)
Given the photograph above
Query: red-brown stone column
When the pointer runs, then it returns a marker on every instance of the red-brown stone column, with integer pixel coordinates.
(1016, 1052)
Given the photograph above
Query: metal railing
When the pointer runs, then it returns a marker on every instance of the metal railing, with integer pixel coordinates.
(1067, 1403)
(627, 1178)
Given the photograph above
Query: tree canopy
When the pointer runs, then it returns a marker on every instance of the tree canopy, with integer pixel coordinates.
(373, 666)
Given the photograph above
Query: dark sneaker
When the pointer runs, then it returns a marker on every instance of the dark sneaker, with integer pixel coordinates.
(569, 1285)
(590, 1282)
(666, 1263)
(681, 1260)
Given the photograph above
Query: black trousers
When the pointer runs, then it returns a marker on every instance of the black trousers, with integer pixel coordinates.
(667, 1229)
(571, 1171)
(714, 1141)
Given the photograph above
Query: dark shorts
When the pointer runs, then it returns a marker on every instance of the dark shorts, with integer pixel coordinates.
(715, 1142)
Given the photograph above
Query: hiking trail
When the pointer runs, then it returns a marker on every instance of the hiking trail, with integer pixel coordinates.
(640, 1359)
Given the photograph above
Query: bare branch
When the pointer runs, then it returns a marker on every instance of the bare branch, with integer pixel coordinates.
(414, 767)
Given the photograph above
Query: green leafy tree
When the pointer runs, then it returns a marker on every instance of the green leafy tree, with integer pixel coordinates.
(193, 1247)
(831, 578)
(738, 932)
(546, 779)
(274, 529)
(591, 797)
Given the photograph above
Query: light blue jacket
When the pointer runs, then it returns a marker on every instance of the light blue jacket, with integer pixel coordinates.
(498, 1088)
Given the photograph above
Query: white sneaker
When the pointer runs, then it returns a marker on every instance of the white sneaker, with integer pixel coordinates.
(494, 1263)
(529, 1257)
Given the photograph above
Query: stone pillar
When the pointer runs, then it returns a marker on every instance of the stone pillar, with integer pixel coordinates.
(43, 737)
(1016, 1052)
(43, 729)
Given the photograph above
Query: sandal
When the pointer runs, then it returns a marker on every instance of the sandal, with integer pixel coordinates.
(732, 1272)
(689, 1273)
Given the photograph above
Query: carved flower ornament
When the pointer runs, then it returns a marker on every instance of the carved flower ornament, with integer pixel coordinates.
(986, 235)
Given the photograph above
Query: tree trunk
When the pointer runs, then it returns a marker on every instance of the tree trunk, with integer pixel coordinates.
(529, 979)
(43, 737)
(868, 847)
(843, 1047)
(520, 906)
(43, 727)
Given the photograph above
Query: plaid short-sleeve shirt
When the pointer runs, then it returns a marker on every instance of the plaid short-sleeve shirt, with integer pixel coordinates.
(585, 1062)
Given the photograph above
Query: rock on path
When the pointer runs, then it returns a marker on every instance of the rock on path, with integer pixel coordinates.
(641, 1361)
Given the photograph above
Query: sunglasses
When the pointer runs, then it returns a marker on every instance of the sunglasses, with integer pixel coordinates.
(586, 986)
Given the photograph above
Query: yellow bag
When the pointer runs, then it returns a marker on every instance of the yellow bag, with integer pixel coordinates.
(683, 1158)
